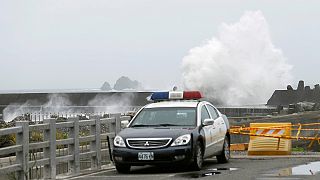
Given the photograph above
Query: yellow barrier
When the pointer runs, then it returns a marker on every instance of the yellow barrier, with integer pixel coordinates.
(261, 144)
(239, 147)
(243, 130)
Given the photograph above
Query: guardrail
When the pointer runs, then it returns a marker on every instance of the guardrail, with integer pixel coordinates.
(47, 149)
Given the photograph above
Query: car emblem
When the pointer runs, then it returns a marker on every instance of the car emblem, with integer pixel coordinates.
(147, 144)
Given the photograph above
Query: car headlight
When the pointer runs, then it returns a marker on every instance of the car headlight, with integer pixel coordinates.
(182, 140)
(119, 142)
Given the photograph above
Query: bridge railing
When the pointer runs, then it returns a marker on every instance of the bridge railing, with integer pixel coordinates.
(92, 133)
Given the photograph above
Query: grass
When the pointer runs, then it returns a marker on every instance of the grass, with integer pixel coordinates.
(298, 149)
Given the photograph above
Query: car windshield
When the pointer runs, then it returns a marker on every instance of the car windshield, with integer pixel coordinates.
(175, 116)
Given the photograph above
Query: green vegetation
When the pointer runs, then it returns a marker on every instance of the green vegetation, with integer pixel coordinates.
(6, 140)
(37, 136)
(298, 149)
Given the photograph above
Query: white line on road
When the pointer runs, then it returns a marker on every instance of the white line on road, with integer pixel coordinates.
(278, 178)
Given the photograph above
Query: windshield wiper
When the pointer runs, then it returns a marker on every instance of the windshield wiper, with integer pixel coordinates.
(167, 124)
(142, 125)
(155, 125)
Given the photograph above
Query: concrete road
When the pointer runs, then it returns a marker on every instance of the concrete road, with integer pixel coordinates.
(260, 168)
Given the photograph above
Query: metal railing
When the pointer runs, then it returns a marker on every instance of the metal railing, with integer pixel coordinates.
(98, 130)
(234, 111)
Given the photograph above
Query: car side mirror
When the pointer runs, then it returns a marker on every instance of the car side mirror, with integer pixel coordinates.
(124, 124)
(208, 122)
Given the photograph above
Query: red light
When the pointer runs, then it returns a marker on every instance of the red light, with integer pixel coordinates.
(192, 95)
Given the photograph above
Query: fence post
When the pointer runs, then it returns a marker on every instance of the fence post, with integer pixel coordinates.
(22, 138)
(118, 122)
(96, 145)
(50, 152)
(112, 124)
(74, 165)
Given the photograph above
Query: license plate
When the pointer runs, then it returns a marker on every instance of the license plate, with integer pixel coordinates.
(145, 156)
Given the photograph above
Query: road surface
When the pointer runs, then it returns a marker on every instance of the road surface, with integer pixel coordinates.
(260, 168)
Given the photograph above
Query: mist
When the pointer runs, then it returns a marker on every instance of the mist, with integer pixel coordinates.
(239, 66)
(112, 104)
(60, 104)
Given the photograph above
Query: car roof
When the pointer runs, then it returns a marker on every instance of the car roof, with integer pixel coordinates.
(173, 104)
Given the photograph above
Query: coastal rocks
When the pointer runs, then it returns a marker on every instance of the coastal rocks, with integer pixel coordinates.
(290, 96)
(106, 86)
(123, 83)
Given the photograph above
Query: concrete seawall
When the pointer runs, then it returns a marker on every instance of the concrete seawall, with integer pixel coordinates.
(101, 99)
(73, 98)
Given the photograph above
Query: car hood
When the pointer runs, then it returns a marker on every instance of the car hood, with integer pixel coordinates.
(156, 132)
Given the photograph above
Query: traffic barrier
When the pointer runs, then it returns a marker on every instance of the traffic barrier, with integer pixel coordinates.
(262, 141)
(312, 141)
(276, 133)
(242, 130)
(239, 147)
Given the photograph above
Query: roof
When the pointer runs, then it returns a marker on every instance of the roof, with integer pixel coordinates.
(173, 104)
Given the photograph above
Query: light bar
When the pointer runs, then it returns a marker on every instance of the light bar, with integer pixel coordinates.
(157, 96)
(192, 95)
(176, 95)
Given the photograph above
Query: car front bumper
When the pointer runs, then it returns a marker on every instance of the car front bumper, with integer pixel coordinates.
(178, 154)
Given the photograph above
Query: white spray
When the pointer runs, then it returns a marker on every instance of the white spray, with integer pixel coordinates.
(56, 103)
(61, 104)
(112, 104)
(240, 66)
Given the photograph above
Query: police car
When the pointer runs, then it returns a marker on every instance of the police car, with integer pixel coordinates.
(178, 128)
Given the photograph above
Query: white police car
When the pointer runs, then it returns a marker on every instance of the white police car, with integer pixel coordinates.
(177, 128)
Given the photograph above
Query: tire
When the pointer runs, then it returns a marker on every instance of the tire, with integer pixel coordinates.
(123, 169)
(198, 157)
(225, 154)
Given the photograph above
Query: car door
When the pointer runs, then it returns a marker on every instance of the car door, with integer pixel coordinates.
(209, 132)
(219, 126)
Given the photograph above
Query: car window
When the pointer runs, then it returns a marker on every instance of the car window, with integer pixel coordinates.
(213, 112)
(204, 114)
(175, 116)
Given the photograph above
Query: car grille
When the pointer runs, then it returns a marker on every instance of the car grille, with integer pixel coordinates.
(148, 143)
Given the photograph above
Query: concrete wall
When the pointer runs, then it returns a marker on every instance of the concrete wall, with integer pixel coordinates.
(136, 99)
(76, 99)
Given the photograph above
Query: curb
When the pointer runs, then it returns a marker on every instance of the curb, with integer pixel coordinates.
(273, 157)
(87, 172)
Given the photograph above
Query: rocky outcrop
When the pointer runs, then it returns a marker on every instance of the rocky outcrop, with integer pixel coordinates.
(106, 86)
(124, 83)
(290, 96)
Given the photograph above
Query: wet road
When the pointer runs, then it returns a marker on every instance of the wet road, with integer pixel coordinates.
(242, 168)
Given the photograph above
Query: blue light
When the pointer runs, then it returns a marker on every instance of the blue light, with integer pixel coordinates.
(157, 96)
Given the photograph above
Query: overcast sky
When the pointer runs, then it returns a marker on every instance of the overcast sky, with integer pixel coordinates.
(68, 44)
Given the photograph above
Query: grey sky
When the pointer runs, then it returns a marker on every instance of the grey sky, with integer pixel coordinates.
(66, 44)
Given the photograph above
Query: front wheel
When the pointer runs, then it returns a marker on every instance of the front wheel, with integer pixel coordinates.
(225, 154)
(124, 169)
(198, 157)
